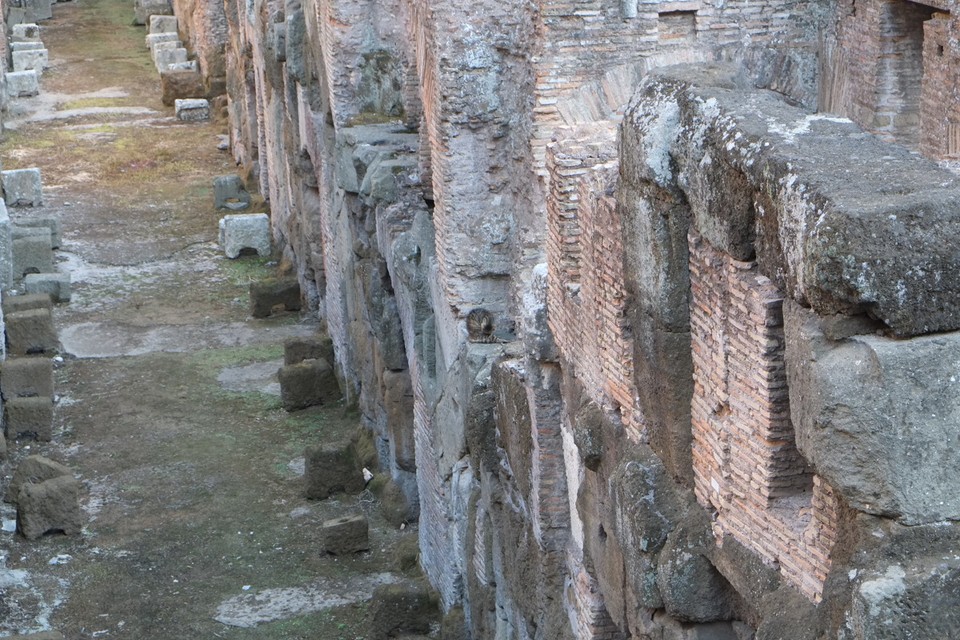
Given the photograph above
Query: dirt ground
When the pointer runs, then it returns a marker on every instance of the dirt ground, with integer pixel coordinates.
(167, 399)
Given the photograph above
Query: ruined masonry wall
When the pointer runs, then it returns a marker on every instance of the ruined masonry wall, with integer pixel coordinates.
(746, 464)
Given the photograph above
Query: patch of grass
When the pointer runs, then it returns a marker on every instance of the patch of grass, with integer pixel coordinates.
(243, 270)
(213, 360)
(90, 103)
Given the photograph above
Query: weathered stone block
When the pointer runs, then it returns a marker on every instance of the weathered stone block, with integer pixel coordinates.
(22, 84)
(29, 417)
(163, 24)
(26, 46)
(22, 187)
(349, 534)
(193, 110)
(874, 415)
(189, 65)
(41, 9)
(245, 231)
(6, 249)
(56, 285)
(30, 60)
(399, 609)
(180, 84)
(49, 506)
(26, 32)
(267, 295)
(310, 348)
(307, 384)
(33, 470)
(153, 40)
(26, 377)
(691, 587)
(50, 222)
(332, 468)
(143, 9)
(398, 405)
(190, 109)
(30, 332)
(229, 193)
(13, 304)
(32, 254)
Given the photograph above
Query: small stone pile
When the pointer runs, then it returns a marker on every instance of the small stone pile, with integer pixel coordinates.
(47, 496)
(181, 85)
(28, 55)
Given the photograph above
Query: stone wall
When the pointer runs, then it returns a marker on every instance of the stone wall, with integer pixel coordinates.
(707, 301)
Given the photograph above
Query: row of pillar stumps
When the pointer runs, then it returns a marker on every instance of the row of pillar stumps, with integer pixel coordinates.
(44, 493)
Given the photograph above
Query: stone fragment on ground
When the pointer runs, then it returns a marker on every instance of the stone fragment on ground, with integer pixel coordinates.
(29, 418)
(307, 384)
(55, 285)
(31, 332)
(402, 609)
(271, 294)
(308, 348)
(187, 109)
(49, 506)
(241, 231)
(26, 377)
(345, 535)
(33, 469)
(332, 468)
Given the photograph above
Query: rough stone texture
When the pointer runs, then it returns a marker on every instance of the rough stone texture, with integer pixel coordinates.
(297, 350)
(143, 9)
(6, 249)
(32, 470)
(330, 469)
(50, 222)
(399, 609)
(349, 534)
(29, 417)
(45, 635)
(155, 39)
(25, 377)
(49, 506)
(31, 332)
(306, 384)
(178, 84)
(13, 304)
(229, 193)
(872, 415)
(32, 254)
(163, 24)
(188, 110)
(22, 84)
(268, 295)
(55, 285)
(25, 32)
(22, 187)
(245, 231)
(30, 60)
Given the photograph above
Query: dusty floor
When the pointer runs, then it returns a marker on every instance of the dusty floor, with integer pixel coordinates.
(167, 408)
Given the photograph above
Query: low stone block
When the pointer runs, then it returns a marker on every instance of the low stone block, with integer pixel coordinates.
(163, 57)
(22, 187)
(31, 332)
(143, 9)
(13, 304)
(332, 468)
(191, 109)
(42, 9)
(307, 384)
(29, 418)
(32, 254)
(311, 348)
(229, 193)
(30, 60)
(26, 46)
(268, 295)
(48, 507)
(26, 378)
(22, 84)
(18, 15)
(163, 24)
(33, 469)
(398, 609)
(349, 534)
(56, 285)
(49, 222)
(245, 231)
(179, 84)
(25, 33)
(154, 39)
